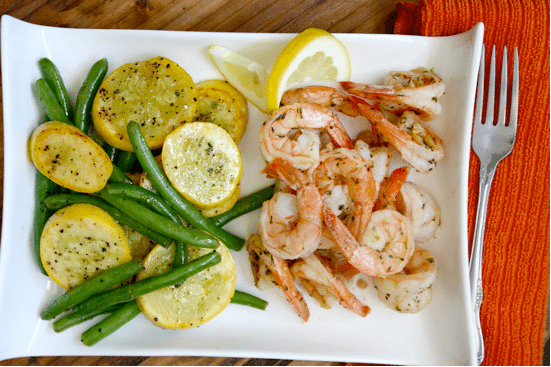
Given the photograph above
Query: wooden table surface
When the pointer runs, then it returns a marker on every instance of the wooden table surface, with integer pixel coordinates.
(261, 16)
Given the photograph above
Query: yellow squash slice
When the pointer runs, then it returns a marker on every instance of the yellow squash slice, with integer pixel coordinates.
(69, 157)
(199, 299)
(80, 241)
(203, 163)
(220, 103)
(157, 93)
(224, 207)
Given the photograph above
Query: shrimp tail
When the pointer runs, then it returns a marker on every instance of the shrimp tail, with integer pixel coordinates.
(391, 132)
(346, 241)
(390, 188)
(265, 265)
(369, 91)
(322, 95)
(334, 285)
(292, 294)
(286, 172)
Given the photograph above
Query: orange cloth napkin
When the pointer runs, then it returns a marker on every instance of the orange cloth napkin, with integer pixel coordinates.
(516, 245)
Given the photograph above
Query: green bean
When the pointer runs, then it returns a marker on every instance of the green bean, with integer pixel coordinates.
(156, 203)
(111, 152)
(44, 188)
(110, 324)
(41, 216)
(247, 299)
(86, 94)
(244, 205)
(118, 176)
(145, 196)
(51, 74)
(48, 101)
(130, 292)
(126, 160)
(161, 183)
(58, 201)
(45, 118)
(91, 287)
(63, 324)
(160, 223)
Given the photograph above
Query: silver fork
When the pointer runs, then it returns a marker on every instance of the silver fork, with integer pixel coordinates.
(491, 143)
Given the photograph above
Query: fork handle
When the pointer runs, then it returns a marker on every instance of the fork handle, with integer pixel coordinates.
(486, 178)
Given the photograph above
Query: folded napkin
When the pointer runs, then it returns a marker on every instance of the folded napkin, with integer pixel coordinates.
(516, 245)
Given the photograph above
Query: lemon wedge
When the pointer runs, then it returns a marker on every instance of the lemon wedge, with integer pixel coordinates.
(247, 76)
(313, 55)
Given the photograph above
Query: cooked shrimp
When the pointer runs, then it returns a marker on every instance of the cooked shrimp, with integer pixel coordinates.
(415, 142)
(406, 302)
(390, 189)
(421, 209)
(384, 248)
(418, 90)
(378, 160)
(291, 224)
(292, 132)
(322, 285)
(410, 290)
(322, 95)
(345, 168)
(267, 268)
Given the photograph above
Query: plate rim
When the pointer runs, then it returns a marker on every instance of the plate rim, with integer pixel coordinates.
(477, 32)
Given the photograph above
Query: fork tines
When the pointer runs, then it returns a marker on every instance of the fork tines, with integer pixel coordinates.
(513, 114)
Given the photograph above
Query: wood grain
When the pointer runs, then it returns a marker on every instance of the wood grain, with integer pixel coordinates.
(259, 16)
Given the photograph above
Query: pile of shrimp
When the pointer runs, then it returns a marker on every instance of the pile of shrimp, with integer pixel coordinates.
(338, 210)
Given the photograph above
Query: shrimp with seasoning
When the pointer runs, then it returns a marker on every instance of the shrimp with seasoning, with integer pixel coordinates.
(420, 207)
(322, 285)
(377, 159)
(410, 136)
(268, 268)
(383, 249)
(292, 132)
(410, 290)
(291, 224)
(390, 189)
(345, 170)
(418, 90)
(321, 95)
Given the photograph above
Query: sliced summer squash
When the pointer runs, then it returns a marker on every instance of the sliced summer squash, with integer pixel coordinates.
(146, 183)
(220, 103)
(203, 163)
(197, 300)
(157, 93)
(80, 241)
(69, 157)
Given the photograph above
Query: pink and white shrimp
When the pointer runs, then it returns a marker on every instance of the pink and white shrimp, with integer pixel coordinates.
(377, 158)
(290, 225)
(383, 249)
(292, 132)
(321, 95)
(417, 90)
(343, 173)
(410, 136)
(390, 189)
(321, 284)
(268, 269)
(422, 210)
(410, 290)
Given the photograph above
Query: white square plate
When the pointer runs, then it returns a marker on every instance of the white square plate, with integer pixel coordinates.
(442, 334)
